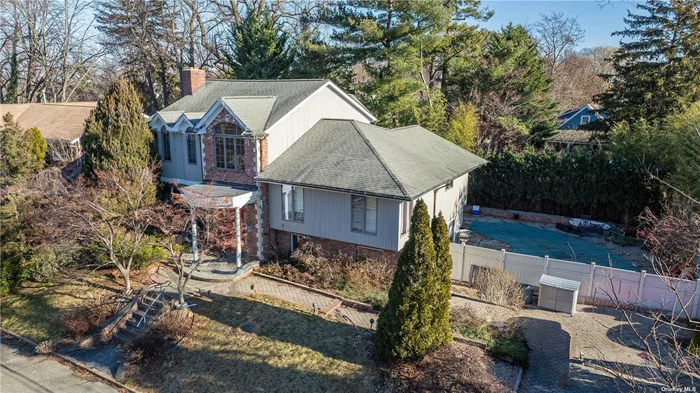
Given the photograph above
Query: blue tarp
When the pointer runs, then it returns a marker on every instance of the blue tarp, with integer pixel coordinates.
(530, 240)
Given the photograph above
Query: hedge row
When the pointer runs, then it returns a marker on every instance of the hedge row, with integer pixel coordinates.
(585, 182)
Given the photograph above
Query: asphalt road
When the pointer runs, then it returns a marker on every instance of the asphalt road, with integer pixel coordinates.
(20, 372)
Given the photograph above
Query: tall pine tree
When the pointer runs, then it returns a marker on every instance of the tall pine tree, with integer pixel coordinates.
(259, 48)
(657, 72)
(511, 89)
(443, 289)
(401, 52)
(405, 330)
(117, 137)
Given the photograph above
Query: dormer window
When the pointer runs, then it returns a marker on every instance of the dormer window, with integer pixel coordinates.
(230, 146)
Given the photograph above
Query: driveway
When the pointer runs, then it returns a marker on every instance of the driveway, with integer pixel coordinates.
(20, 372)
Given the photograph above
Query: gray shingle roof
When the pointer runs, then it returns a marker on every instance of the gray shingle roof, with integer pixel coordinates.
(351, 156)
(289, 93)
(253, 111)
(571, 136)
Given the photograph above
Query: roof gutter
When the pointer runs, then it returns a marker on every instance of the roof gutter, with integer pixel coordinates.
(336, 189)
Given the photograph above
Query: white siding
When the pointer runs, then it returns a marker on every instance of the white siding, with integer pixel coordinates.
(327, 215)
(323, 104)
(449, 202)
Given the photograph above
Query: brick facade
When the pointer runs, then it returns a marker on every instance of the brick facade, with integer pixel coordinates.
(279, 247)
(211, 172)
(250, 237)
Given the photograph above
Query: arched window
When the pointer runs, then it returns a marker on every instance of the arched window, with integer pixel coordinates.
(166, 144)
(229, 146)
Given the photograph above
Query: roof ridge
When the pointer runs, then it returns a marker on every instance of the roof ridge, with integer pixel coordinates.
(264, 80)
(249, 97)
(88, 104)
(381, 161)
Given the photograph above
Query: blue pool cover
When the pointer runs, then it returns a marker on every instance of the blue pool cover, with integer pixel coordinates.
(526, 239)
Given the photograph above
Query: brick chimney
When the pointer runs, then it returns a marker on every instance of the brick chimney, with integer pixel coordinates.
(191, 80)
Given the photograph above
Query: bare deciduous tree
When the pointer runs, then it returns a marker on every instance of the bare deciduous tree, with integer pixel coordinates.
(556, 34)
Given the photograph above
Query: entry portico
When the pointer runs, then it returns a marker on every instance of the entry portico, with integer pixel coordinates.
(218, 196)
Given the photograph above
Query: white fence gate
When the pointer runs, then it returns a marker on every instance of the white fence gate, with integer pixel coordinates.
(603, 283)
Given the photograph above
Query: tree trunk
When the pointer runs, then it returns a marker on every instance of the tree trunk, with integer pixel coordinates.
(127, 280)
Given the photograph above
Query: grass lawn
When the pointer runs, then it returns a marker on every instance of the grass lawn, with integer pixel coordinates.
(262, 344)
(33, 310)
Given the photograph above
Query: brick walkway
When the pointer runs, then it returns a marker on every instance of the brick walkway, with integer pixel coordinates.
(557, 339)
(292, 294)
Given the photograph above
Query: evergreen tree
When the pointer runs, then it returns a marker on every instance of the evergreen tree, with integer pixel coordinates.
(37, 146)
(405, 329)
(259, 48)
(117, 137)
(657, 72)
(441, 316)
(400, 53)
(22, 152)
(511, 89)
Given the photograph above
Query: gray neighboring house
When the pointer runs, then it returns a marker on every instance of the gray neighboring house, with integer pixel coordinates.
(268, 152)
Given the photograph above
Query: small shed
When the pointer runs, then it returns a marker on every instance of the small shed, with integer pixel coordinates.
(558, 294)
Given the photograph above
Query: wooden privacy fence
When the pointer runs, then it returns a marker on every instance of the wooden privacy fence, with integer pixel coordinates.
(603, 283)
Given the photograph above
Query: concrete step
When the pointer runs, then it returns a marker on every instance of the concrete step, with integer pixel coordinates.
(332, 307)
(132, 331)
(134, 321)
(137, 315)
(123, 338)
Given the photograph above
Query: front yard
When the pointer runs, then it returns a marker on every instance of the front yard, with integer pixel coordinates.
(246, 344)
(34, 310)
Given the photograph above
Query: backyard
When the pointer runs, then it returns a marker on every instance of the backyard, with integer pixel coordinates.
(539, 239)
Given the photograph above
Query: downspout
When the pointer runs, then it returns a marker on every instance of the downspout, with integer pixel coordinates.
(435, 191)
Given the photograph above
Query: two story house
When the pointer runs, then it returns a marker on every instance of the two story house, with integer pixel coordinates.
(569, 133)
(300, 160)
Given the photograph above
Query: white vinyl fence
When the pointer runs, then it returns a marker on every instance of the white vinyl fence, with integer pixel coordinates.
(597, 282)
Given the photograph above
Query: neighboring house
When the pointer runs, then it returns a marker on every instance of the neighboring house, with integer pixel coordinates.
(61, 124)
(299, 159)
(569, 134)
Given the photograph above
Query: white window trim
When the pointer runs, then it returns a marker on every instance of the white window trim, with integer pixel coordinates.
(364, 221)
(187, 147)
(587, 117)
(294, 213)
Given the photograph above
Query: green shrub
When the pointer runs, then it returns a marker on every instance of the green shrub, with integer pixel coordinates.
(466, 322)
(599, 183)
(510, 341)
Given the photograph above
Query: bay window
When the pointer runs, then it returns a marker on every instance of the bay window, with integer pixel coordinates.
(229, 145)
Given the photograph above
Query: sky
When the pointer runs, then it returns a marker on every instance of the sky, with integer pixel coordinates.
(598, 22)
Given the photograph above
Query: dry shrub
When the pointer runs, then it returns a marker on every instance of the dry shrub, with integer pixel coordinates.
(161, 335)
(360, 279)
(467, 322)
(498, 287)
(454, 368)
(90, 313)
